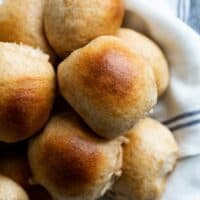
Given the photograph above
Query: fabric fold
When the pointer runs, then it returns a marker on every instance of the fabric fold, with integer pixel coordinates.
(182, 46)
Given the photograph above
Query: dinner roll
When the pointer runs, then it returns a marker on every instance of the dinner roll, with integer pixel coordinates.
(22, 22)
(108, 85)
(16, 167)
(11, 190)
(71, 163)
(151, 53)
(72, 24)
(148, 158)
(27, 82)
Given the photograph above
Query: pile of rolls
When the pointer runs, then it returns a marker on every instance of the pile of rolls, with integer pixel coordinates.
(76, 93)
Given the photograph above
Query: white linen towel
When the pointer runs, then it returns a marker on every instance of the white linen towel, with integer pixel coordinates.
(179, 108)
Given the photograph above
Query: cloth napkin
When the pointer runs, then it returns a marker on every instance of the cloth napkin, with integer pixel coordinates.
(179, 108)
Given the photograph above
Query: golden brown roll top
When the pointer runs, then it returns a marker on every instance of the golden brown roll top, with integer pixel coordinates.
(71, 24)
(150, 53)
(22, 22)
(27, 84)
(11, 190)
(71, 163)
(148, 158)
(108, 85)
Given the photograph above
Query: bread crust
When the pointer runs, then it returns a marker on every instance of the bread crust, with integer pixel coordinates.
(71, 24)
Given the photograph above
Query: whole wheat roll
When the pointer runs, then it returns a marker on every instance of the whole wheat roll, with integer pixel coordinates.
(27, 81)
(71, 162)
(71, 24)
(148, 158)
(108, 85)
